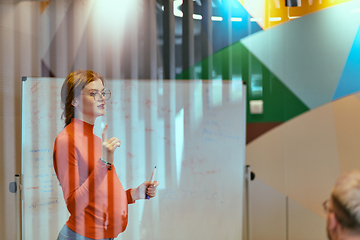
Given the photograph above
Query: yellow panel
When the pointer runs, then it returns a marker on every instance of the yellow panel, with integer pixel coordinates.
(43, 6)
(347, 118)
(274, 10)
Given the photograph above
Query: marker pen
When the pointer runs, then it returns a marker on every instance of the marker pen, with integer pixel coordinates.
(152, 179)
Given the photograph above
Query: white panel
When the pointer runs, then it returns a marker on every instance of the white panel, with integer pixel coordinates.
(305, 224)
(267, 212)
(256, 9)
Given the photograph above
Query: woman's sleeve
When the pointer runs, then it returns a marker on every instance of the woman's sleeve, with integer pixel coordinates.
(77, 196)
(130, 200)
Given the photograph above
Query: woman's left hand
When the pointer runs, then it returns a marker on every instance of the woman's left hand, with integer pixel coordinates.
(146, 188)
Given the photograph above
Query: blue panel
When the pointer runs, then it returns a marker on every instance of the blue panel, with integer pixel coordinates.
(350, 78)
(240, 30)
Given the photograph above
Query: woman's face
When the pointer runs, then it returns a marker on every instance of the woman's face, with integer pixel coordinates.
(86, 107)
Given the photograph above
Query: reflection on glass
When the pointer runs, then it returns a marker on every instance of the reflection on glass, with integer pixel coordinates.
(256, 86)
(192, 131)
(236, 90)
(179, 142)
(217, 92)
(198, 102)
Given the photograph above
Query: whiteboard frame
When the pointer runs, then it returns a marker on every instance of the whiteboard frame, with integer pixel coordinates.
(22, 142)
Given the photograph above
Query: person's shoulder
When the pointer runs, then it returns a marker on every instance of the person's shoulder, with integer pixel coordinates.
(64, 136)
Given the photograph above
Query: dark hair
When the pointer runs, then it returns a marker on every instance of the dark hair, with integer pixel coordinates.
(72, 87)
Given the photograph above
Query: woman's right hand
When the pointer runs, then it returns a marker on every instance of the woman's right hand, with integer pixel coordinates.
(109, 146)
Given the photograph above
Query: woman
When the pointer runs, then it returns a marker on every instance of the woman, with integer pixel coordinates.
(95, 198)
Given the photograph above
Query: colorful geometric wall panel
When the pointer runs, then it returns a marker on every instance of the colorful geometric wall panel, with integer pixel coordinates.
(347, 118)
(350, 79)
(303, 157)
(300, 218)
(263, 211)
(291, 157)
(239, 29)
(269, 13)
(256, 8)
(280, 103)
(309, 53)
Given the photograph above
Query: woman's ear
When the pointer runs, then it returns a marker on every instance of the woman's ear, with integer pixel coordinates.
(74, 102)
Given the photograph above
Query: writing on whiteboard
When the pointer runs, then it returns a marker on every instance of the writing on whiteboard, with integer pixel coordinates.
(47, 205)
(39, 150)
(46, 181)
(41, 175)
(211, 135)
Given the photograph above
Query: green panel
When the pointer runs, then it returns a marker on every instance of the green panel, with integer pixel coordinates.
(280, 104)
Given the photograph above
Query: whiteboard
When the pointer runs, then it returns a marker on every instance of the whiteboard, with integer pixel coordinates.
(193, 131)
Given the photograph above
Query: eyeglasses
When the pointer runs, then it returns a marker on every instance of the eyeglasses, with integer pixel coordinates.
(327, 210)
(98, 96)
(326, 206)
